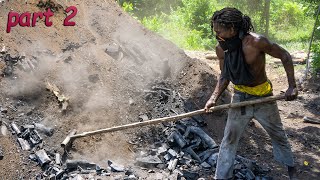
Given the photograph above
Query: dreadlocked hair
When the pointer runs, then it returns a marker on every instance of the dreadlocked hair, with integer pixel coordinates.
(232, 17)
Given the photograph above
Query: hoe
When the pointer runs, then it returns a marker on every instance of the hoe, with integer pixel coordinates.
(72, 135)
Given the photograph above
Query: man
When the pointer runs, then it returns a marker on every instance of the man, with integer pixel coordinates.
(242, 61)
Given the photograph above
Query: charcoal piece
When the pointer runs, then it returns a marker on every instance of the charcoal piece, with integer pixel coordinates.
(3, 110)
(194, 155)
(42, 157)
(311, 120)
(94, 78)
(263, 178)
(1, 153)
(3, 49)
(35, 138)
(181, 154)
(239, 175)
(149, 161)
(237, 167)
(162, 150)
(130, 177)
(33, 157)
(180, 127)
(73, 164)
(176, 174)
(113, 50)
(25, 134)
(99, 169)
(164, 96)
(83, 171)
(77, 177)
(29, 113)
(24, 144)
(167, 157)
(57, 158)
(44, 129)
(143, 117)
(172, 164)
(207, 153)
(15, 128)
(200, 120)
(195, 142)
(178, 138)
(212, 160)
(52, 177)
(247, 162)
(249, 174)
(161, 166)
(186, 161)
(172, 153)
(116, 167)
(191, 106)
(203, 135)
(71, 47)
(58, 172)
(128, 172)
(205, 165)
(25, 127)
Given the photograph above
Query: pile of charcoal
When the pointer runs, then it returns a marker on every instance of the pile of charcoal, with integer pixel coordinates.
(31, 136)
(186, 150)
(55, 165)
(9, 62)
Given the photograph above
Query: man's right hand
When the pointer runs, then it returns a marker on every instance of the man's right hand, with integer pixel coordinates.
(210, 103)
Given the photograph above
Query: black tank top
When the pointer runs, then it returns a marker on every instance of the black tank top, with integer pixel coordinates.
(235, 67)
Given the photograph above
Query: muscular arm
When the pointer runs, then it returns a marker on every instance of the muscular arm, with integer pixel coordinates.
(276, 51)
(222, 83)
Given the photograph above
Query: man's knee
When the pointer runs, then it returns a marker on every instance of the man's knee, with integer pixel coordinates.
(230, 137)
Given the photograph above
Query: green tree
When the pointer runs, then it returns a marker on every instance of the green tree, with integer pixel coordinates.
(147, 8)
(187, 22)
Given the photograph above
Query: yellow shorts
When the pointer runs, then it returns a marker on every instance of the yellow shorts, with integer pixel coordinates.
(259, 90)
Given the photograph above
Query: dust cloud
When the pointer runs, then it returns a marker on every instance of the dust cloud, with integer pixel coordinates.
(98, 83)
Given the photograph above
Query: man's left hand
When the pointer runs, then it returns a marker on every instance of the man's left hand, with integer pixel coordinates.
(291, 93)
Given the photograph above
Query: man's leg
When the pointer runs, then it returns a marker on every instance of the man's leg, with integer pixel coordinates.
(268, 116)
(235, 126)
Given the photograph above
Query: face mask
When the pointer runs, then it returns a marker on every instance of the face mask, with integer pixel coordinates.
(232, 43)
(229, 44)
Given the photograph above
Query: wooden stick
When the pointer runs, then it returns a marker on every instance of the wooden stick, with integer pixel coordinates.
(66, 141)
(311, 120)
(180, 116)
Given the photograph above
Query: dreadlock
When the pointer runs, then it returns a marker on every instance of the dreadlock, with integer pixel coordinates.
(232, 17)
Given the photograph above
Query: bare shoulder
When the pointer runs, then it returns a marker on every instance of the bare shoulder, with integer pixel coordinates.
(258, 41)
(263, 44)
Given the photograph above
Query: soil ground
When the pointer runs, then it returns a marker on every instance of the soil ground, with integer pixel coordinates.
(105, 87)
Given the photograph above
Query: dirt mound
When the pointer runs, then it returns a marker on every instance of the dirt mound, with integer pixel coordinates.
(103, 65)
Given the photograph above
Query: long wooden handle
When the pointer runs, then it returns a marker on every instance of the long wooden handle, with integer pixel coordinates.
(180, 116)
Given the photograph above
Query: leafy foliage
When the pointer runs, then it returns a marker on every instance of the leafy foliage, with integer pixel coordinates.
(147, 8)
(316, 57)
(187, 22)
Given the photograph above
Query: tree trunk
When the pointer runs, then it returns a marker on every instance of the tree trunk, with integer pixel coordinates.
(267, 15)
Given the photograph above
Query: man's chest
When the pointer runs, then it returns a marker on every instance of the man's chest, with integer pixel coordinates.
(252, 55)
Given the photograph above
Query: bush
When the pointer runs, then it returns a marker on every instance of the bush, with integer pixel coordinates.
(315, 64)
(187, 22)
(188, 26)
